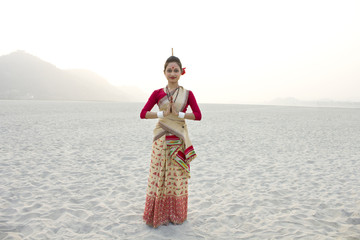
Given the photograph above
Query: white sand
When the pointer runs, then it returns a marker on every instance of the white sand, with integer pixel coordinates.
(79, 171)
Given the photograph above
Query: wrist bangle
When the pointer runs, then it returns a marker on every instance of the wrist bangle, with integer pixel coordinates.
(160, 114)
(181, 115)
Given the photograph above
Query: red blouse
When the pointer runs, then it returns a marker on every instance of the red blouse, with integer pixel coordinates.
(159, 94)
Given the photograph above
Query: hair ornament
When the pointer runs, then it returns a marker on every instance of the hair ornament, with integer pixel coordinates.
(183, 71)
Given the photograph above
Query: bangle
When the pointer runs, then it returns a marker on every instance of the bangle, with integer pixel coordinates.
(160, 114)
(181, 115)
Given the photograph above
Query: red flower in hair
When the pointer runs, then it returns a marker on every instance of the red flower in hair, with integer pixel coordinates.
(183, 71)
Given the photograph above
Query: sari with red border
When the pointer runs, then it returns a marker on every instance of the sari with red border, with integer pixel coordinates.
(172, 152)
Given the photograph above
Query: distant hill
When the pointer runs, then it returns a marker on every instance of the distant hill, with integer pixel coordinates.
(24, 76)
(319, 103)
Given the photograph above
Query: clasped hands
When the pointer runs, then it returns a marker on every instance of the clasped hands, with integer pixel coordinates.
(171, 109)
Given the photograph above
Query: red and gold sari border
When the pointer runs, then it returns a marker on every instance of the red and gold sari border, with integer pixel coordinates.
(173, 140)
(180, 159)
(189, 153)
(174, 210)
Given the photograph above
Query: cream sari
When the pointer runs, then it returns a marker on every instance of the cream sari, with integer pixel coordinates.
(172, 152)
(174, 125)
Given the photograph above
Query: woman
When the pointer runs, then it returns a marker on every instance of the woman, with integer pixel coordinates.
(172, 151)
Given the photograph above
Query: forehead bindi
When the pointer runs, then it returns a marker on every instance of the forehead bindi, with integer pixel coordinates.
(173, 66)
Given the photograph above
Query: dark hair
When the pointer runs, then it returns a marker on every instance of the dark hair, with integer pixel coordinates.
(173, 59)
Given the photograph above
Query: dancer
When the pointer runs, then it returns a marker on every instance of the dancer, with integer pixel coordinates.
(172, 151)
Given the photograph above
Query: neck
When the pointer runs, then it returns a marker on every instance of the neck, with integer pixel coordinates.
(172, 86)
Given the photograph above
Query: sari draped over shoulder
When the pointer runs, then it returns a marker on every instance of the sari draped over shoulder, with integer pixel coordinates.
(172, 152)
(183, 153)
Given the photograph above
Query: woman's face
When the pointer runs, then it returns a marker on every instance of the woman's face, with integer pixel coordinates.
(172, 72)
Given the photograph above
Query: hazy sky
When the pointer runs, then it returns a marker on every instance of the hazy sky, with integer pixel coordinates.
(234, 51)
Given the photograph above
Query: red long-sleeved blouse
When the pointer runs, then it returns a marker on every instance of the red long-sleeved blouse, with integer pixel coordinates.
(159, 94)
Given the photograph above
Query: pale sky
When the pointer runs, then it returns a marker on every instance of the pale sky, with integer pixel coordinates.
(233, 51)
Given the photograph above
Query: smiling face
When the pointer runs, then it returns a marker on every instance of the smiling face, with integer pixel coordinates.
(172, 72)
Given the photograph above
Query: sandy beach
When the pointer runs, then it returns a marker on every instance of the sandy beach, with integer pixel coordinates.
(78, 170)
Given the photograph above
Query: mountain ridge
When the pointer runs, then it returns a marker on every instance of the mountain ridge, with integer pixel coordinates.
(24, 76)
